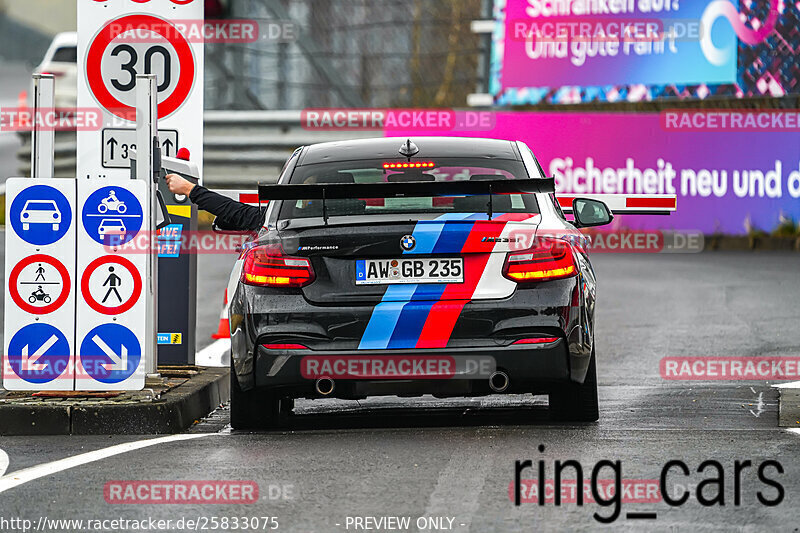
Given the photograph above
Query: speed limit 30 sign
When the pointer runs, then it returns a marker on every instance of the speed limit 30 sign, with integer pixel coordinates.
(112, 63)
(120, 40)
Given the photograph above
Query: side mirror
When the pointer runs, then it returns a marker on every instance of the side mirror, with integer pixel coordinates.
(590, 213)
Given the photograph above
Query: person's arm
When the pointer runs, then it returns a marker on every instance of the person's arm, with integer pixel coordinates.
(234, 214)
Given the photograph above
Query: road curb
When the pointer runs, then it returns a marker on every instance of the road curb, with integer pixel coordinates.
(176, 410)
(789, 406)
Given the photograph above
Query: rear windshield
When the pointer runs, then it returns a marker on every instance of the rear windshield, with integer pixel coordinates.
(66, 54)
(373, 171)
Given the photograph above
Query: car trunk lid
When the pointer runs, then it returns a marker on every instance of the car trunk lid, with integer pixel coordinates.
(478, 244)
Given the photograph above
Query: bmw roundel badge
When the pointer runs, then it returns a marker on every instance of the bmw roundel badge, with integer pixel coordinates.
(408, 242)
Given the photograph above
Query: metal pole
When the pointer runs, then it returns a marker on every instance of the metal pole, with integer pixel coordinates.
(43, 138)
(146, 131)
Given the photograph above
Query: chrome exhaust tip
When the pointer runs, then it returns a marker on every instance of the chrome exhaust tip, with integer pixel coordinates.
(498, 381)
(325, 386)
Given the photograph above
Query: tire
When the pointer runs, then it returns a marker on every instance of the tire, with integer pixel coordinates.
(47, 299)
(577, 402)
(32, 299)
(102, 208)
(256, 408)
(122, 208)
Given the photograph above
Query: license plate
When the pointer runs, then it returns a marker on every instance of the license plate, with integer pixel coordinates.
(392, 271)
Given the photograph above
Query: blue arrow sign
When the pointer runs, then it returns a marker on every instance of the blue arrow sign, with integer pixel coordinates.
(39, 353)
(40, 215)
(110, 353)
(112, 215)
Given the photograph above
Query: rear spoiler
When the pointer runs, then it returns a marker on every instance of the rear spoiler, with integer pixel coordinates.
(627, 204)
(410, 189)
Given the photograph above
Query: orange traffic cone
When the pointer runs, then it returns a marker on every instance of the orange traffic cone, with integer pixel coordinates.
(224, 330)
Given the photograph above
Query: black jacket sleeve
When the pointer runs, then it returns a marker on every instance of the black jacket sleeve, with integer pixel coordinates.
(234, 215)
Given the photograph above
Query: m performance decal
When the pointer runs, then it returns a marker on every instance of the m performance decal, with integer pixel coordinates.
(423, 316)
(386, 315)
(443, 315)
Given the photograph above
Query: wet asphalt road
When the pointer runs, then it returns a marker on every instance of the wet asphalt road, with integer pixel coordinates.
(432, 458)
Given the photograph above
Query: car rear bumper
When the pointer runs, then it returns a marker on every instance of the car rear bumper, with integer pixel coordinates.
(380, 372)
(486, 330)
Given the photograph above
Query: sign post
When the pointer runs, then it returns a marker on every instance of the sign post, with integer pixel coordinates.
(117, 41)
(39, 323)
(42, 139)
(147, 172)
(113, 254)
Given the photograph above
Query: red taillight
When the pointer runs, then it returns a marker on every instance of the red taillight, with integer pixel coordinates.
(268, 266)
(284, 347)
(548, 259)
(536, 340)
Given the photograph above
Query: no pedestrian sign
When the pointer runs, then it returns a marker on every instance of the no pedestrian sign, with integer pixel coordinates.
(111, 285)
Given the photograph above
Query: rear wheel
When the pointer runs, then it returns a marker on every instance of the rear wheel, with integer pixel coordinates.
(256, 408)
(577, 401)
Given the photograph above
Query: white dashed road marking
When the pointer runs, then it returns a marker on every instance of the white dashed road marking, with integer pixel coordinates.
(3, 462)
(759, 407)
(20, 477)
(459, 486)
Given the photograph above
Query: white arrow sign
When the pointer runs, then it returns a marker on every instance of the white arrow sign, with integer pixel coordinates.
(120, 361)
(29, 364)
(3, 462)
